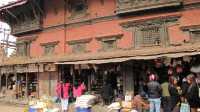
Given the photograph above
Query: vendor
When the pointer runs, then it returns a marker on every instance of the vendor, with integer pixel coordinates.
(62, 90)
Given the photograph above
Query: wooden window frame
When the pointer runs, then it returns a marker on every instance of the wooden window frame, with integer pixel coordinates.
(47, 45)
(25, 46)
(79, 46)
(163, 23)
(148, 30)
(195, 35)
(80, 13)
(191, 31)
(104, 40)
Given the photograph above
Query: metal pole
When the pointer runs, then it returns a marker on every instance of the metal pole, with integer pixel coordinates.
(6, 81)
(26, 92)
(49, 83)
(38, 79)
(0, 82)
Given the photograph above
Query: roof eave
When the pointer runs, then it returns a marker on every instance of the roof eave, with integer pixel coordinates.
(13, 4)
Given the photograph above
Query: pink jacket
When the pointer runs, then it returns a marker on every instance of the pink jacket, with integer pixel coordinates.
(65, 90)
(77, 92)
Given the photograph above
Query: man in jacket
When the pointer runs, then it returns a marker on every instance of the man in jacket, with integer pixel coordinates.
(154, 93)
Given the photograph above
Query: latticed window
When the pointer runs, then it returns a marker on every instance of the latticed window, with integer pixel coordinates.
(151, 36)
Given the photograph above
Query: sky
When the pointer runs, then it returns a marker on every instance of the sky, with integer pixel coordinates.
(6, 32)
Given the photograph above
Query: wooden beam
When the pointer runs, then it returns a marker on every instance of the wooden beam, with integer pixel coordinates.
(10, 13)
(0, 82)
(37, 5)
(16, 85)
(34, 11)
(26, 92)
(6, 81)
(38, 81)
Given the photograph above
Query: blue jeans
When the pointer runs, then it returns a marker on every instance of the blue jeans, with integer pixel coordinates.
(155, 104)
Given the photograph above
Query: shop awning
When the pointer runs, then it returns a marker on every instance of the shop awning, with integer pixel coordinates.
(123, 59)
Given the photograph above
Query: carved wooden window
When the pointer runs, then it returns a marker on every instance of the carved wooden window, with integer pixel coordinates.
(109, 45)
(151, 36)
(49, 49)
(127, 6)
(23, 49)
(193, 31)
(195, 35)
(109, 42)
(79, 46)
(78, 7)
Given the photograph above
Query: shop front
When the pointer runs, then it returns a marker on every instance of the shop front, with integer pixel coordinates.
(128, 75)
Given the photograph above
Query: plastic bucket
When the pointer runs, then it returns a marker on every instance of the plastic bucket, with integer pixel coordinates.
(83, 109)
(32, 109)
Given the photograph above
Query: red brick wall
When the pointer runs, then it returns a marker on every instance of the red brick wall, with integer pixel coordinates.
(47, 80)
(103, 28)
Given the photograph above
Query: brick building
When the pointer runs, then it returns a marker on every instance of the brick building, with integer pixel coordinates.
(58, 37)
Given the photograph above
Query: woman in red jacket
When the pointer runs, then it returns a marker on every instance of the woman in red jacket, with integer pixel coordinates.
(62, 90)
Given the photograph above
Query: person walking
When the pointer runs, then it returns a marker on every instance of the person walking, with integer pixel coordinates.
(107, 93)
(165, 97)
(192, 94)
(174, 91)
(62, 90)
(154, 93)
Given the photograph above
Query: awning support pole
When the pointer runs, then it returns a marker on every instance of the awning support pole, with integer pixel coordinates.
(0, 82)
(26, 85)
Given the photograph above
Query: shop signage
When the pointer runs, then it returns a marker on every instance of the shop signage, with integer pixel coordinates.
(21, 69)
(35, 68)
(7, 70)
(49, 67)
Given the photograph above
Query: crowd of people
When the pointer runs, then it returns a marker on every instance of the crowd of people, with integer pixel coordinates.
(180, 93)
(168, 88)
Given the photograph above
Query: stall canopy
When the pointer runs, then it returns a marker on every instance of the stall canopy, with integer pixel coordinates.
(123, 59)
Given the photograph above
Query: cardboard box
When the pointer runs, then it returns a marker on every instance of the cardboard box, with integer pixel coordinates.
(127, 105)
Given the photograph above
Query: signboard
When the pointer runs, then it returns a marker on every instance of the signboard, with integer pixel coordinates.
(21, 69)
(35, 68)
(49, 67)
(7, 70)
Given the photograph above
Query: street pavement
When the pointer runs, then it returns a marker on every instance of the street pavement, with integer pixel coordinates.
(10, 108)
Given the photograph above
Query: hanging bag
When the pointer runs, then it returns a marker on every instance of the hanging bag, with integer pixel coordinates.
(184, 107)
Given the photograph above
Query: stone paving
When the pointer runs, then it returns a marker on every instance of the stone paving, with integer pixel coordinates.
(11, 108)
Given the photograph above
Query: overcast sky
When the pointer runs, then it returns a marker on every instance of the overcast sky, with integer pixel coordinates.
(3, 26)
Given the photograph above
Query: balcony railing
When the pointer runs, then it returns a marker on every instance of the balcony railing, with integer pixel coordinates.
(26, 26)
(127, 6)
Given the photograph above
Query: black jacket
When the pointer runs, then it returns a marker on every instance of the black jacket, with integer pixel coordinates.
(107, 91)
(193, 95)
(174, 95)
(154, 89)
